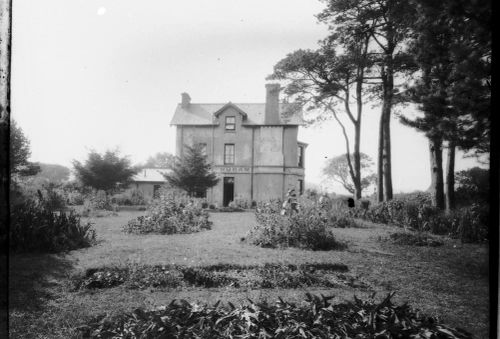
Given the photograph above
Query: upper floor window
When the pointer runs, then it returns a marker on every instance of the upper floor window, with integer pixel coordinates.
(300, 153)
(228, 154)
(230, 123)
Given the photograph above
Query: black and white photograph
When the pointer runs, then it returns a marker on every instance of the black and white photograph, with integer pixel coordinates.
(247, 169)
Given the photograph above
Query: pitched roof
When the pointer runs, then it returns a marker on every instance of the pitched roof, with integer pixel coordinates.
(151, 175)
(204, 114)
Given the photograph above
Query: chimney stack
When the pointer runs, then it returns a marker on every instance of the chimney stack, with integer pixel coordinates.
(272, 114)
(186, 100)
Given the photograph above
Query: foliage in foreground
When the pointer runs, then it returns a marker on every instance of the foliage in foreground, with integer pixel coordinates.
(318, 317)
(35, 228)
(310, 228)
(170, 214)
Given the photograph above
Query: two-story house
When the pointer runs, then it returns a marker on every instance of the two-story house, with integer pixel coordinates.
(252, 147)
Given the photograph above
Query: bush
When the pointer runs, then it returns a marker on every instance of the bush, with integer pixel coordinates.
(74, 198)
(35, 228)
(415, 239)
(171, 214)
(307, 229)
(241, 203)
(220, 275)
(129, 198)
(318, 317)
(470, 224)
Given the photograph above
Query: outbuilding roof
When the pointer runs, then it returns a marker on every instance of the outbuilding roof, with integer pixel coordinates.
(151, 175)
(205, 114)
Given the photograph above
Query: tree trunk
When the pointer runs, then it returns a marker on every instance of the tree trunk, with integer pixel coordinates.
(387, 157)
(357, 161)
(388, 92)
(436, 158)
(450, 178)
(380, 161)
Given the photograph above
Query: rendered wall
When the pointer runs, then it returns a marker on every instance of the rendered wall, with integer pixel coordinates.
(273, 147)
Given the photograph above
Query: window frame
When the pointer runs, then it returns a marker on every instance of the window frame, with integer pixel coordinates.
(227, 154)
(300, 156)
(227, 124)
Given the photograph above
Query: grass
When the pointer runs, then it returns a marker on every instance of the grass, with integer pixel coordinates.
(450, 280)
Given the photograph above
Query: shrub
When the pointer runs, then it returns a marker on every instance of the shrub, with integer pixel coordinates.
(35, 228)
(74, 198)
(469, 224)
(99, 200)
(318, 317)
(170, 214)
(241, 203)
(52, 198)
(220, 275)
(129, 198)
(415, 239)
(307, 229)
(201, 277)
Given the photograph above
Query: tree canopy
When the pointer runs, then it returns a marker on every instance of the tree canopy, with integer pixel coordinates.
(337, 170)
(106, 171)
(53, 173)
(192, 172)
(160, 160)
(20, 153)
(331, 84)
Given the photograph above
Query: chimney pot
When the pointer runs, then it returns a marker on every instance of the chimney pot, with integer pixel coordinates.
(186, 100)
(272, 114)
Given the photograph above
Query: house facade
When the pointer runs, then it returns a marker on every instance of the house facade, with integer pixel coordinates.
(253, 148)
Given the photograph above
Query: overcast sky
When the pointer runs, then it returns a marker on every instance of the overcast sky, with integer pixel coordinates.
(97, 74)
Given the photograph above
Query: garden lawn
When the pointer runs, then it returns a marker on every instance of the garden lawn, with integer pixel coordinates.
(450, 280)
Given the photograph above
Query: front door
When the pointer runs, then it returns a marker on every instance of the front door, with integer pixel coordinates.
(228, 190)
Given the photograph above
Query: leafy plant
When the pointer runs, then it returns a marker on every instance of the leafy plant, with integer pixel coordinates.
(310, 228)
(220, 275)
(169, 214)
(129, 198)
(470, 224)
(415, 239)
(318, 317)
(35, 228)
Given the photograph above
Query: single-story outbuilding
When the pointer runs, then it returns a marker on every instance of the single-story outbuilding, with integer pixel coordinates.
(149, 181)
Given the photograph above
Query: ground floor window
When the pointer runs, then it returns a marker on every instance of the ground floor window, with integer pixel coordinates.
(301, 186)
(156, 190)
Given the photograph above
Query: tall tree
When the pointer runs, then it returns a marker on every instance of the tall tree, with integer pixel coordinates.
(106, 171)
(20, 152)
(337, 170)
(386, 23)
(329, 83)
(193, 173)
(452, 86)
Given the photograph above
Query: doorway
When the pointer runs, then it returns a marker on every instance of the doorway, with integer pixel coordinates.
(228, 193)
